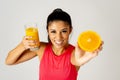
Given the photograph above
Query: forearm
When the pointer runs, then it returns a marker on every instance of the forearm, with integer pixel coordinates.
(14, 54)
(82, 60)
(81, 57)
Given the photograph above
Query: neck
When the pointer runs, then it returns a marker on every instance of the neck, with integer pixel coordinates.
(59, 51)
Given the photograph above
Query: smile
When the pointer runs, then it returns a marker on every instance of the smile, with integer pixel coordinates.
(58, 42)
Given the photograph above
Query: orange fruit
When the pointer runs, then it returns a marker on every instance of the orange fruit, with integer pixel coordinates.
(89, 40)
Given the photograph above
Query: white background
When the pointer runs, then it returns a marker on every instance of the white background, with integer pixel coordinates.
(103, 16)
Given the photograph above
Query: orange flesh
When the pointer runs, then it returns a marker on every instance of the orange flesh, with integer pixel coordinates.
(89, 41)
(33, 32)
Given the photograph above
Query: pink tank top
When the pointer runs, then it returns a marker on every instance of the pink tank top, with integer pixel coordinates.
(53, 67)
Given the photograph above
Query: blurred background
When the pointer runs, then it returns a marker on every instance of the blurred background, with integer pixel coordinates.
(102, 16)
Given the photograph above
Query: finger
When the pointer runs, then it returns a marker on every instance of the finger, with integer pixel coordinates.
(102, 43)
(96, 52)
(78, 49)
(100, 48)
(31, 42)
(28, 37)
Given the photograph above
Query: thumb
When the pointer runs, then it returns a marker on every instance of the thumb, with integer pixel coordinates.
(78, 49)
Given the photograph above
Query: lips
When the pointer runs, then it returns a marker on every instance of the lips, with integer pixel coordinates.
(58, 42)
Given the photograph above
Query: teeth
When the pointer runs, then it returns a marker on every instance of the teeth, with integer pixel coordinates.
(59, 42)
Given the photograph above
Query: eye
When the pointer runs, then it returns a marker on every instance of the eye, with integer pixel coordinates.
(64, 31)
(53, 31)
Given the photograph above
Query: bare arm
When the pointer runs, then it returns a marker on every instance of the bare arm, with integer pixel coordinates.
(20, 54)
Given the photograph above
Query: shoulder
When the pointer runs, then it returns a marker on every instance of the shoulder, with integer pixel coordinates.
(42, 48)
(72, 46)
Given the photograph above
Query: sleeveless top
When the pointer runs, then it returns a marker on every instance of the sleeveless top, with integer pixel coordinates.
(53, 67)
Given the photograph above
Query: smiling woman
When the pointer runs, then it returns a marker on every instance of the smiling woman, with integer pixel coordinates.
(57, 15)
(59, 60)
(59, 32)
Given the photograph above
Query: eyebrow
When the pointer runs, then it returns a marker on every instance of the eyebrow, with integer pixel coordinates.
(62, 29)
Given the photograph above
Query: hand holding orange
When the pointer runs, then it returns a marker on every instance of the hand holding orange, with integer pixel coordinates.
(89, 40)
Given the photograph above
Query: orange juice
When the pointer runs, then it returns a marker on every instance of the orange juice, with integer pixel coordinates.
(33, 32)
(89, 40)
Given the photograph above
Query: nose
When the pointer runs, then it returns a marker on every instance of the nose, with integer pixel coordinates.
(59, 36)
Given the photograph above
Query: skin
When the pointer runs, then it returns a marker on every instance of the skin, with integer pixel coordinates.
(58, 32)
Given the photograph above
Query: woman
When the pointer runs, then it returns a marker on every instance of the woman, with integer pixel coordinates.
(59, 60)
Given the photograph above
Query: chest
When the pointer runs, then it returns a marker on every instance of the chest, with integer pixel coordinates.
(56, 62)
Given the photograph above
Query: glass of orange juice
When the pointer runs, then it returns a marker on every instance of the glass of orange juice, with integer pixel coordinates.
(31, 29)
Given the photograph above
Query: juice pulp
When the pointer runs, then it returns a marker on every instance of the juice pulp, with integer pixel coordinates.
(89, 40)
(33, 32)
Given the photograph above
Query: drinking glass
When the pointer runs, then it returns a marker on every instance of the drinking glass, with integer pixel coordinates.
(31, 29)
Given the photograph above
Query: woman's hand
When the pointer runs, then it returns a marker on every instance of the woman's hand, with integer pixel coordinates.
(94, 53)
(82, 57)
(29, 43)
